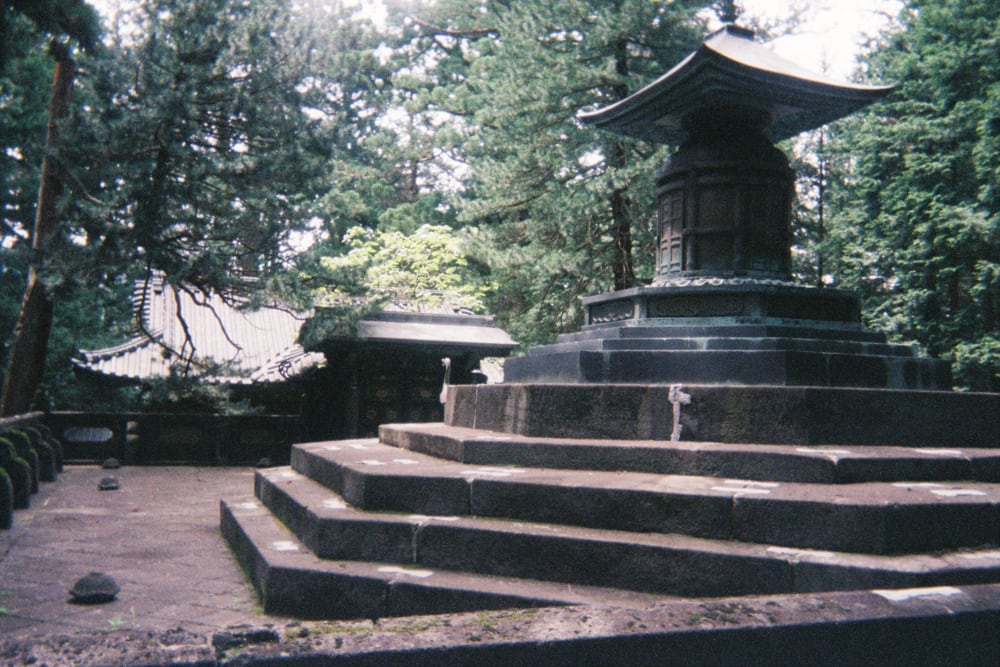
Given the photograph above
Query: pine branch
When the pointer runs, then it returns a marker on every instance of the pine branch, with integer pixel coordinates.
(469, 33)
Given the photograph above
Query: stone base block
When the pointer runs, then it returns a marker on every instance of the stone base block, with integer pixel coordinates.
(734, 414)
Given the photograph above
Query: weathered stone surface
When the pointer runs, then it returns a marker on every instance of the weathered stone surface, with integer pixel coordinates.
(293, 581)
(944, 625)
(734, 351)
(368, 475)
(515, 502)
(776, 415)
(671, 564)
(109, 484)
(834, 464)
(866, 517)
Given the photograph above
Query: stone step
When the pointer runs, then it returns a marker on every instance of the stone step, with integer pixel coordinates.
(778, 463)
(652, 563)
(873, 517)
(738, 367)
(292, 581)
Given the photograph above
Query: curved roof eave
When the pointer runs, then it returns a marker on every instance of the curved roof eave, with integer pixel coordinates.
(731, 66)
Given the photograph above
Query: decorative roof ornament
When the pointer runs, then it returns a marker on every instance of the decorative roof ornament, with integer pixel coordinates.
(727, 10)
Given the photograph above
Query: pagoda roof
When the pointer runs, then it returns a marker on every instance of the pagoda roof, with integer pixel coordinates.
(731, 69)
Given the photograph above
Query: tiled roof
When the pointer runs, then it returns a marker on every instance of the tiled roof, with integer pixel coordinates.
(209, 331)
(231, 344)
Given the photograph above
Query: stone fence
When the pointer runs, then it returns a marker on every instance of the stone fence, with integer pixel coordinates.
(153, 438)
(18, 421)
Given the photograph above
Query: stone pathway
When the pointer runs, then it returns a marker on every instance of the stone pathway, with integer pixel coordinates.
(158, 536)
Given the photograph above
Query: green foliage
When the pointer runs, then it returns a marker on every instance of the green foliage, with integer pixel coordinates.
(54, 443)
(443, 155)
(205, 147)
(7, 452)
(416, 266)
(916, 216)
(59, 20)
(21, 441)
(199, 144)
(425, 269)
(558, 206)
(46, 455)
(977, 363)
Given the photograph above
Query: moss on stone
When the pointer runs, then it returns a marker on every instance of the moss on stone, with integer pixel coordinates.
(6, 501)
(20, 477)
(22, 444)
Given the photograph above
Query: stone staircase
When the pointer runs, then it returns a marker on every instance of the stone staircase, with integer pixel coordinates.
(434, 518)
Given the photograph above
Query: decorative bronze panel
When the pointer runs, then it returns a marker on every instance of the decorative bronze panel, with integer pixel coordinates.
(703, 305)
(611, 311)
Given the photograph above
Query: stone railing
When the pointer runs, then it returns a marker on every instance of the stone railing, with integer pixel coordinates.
(153, 438)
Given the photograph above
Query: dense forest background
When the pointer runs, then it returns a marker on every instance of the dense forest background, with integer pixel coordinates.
(297, 148)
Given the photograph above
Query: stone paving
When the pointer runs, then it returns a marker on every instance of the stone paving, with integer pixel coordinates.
(158, 536)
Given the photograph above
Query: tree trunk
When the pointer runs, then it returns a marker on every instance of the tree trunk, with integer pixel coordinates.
(621, 228)
(621, 232)
(31, 337)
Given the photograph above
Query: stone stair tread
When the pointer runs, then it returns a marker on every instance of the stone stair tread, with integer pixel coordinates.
(865, 517)
(377, 458)
(405, 538)
(295, 581)
(813, 463)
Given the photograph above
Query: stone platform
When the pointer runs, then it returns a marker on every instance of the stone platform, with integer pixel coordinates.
(442, 518)
(726, 352)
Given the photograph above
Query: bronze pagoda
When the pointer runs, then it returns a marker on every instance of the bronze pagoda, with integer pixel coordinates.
(723, 307)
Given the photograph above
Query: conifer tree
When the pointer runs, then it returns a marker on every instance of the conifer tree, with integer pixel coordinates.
(201, 143)
(559, 206)
(67, 24)
(916, 214)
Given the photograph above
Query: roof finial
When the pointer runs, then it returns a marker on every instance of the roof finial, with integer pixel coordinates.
(727, 10)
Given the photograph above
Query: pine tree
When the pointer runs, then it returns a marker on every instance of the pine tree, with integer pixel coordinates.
(206, 146)
(564, 206)
(200, 143)
(67, 25)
